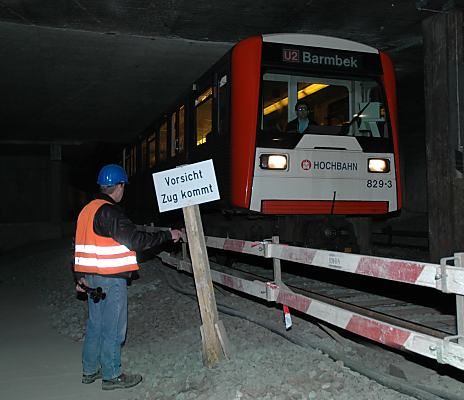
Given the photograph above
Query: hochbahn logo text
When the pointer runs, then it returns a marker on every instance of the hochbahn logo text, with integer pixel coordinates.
(306, 57)
(329, 165)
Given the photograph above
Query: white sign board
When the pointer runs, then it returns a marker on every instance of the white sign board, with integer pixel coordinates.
(186, 186)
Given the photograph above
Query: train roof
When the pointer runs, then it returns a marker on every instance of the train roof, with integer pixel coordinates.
(301, 39)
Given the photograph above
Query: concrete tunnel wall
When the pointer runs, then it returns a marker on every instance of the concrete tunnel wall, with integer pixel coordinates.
(34, 202)
(411, 123)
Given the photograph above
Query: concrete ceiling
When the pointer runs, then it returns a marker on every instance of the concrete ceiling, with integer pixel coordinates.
(86, 70)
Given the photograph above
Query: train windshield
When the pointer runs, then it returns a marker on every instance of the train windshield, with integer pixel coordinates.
(353, 107)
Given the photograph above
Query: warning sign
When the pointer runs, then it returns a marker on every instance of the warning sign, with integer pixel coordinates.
(186, 186)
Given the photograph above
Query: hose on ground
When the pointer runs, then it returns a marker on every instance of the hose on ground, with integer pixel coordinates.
(421, 392)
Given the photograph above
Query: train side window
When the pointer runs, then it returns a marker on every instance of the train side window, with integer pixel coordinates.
(152, 150)
(204, 115)
(174, 138)
(127, 160)
(143, 155)
(180, 146)
(163, 143)
(133, 162)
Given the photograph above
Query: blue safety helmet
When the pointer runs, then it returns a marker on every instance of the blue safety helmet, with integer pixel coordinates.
(112, 174)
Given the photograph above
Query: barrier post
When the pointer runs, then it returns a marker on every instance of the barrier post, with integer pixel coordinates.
(276, 264)
(459, 303)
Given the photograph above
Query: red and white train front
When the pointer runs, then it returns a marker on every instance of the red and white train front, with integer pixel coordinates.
(346, 161)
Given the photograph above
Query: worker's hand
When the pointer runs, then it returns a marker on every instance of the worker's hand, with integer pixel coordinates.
(176, 235)
(82, 281)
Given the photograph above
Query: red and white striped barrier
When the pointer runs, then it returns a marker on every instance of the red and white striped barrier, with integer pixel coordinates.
(442, 350)
(447, 278)
(446, 350)
(444, 277)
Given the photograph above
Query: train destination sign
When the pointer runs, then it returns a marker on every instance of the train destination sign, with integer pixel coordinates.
(321, 59)
(186, 186)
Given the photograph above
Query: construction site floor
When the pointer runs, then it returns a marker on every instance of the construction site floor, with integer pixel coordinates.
(35, 361)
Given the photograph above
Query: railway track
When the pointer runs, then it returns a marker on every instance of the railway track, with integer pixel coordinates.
(414, 308)
(389, 369)
(401, 238)
(406, 305)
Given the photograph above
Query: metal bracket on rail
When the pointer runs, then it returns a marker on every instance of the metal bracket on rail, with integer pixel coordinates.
(445, 277)
(272, 291)
(445, 351)
(442, 275)
(266, 243)
(450, 278)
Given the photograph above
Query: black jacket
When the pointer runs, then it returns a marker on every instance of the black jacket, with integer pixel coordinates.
(292, 126)
(111, 221)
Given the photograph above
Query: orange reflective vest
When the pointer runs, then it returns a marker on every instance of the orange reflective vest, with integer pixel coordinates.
(95, 254)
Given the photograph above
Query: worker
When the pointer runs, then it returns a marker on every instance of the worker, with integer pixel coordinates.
(106, 243)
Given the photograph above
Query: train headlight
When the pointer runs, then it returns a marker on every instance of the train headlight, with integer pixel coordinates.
(381, 165)
(273, 161)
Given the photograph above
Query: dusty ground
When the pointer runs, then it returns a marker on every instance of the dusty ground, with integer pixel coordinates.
(164, 344)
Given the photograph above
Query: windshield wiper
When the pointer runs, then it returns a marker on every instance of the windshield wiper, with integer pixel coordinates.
(346, 127)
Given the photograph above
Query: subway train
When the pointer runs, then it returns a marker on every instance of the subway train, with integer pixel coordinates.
(306, 186)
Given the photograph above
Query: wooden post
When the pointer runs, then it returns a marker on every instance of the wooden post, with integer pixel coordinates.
(213, 335)
(186, 187)
(444, 117)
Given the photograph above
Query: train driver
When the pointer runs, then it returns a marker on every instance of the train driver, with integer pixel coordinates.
(302, 121)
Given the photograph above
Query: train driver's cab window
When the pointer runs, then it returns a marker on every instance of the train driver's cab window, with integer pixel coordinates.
(328, 104)
(275, 105)
(317, 105)
(370, 117)
(204, 115)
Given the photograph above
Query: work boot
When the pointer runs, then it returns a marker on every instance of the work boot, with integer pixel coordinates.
(92, 377)
(123, 381)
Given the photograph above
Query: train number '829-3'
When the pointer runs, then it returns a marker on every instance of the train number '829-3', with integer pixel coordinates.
(379, 184)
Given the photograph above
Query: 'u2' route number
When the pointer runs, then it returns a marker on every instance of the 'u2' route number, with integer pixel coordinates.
(379, 184)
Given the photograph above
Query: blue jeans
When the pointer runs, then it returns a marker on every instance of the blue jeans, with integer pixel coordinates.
(106, 327)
